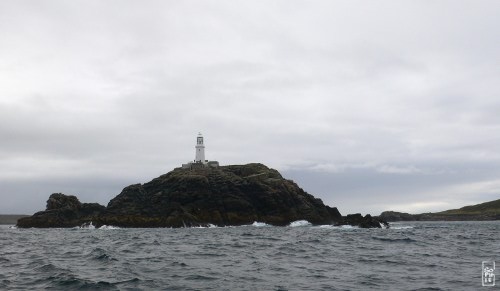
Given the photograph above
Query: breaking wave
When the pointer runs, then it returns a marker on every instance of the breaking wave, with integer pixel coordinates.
(259, 224)
(88, 225)
(109, 227)
(402, 227)
(299, 223)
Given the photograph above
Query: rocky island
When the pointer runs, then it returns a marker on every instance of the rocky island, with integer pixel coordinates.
(200, 193)
(200, 196)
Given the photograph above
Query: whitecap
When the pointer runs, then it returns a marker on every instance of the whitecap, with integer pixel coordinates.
(205, 226)
(87, 226)
(337, 226)
(259, 224)
(326, 226)
(300, 223)
(109, 227)
(402, 227)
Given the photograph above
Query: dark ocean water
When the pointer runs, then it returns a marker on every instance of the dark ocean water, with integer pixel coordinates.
(409, 256)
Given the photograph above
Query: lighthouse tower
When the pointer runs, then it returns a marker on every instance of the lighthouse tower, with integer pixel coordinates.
(199, 160)
(200, 150)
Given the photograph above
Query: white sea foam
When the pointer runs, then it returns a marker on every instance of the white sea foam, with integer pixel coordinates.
(87, 226)
(300, 223)
(205, 226)
(332, 226)
(402, 227)
(13, 227)
(259, 224)
(109, 227)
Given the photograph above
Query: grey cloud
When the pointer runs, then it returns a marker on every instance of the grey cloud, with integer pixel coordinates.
(366, 189)
(359, 101)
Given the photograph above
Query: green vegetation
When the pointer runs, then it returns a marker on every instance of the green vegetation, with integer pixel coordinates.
(484, 211)
(492, 208)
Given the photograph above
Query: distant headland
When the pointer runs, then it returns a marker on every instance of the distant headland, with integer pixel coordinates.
(10, 218)
(200, 193)
(483, 211)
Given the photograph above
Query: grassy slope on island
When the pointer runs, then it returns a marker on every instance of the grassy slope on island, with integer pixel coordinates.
(483, 211)
(491, 208)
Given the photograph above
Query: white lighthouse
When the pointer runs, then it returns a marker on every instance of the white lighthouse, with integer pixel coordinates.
(199, 160)
(200, 150)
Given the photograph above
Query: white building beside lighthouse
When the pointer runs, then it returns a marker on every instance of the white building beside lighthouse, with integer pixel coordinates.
(199, 160)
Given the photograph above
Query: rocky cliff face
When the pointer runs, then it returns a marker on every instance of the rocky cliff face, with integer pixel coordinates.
(228, 195)
(396, 216)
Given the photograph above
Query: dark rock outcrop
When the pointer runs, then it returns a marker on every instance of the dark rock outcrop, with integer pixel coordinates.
(62, 211)
(364, 222)
(396, 216)
(227, 195)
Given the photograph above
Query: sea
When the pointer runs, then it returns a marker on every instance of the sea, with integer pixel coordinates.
(406, 256)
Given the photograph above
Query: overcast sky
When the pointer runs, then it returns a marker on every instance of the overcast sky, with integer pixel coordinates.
(369, 105)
